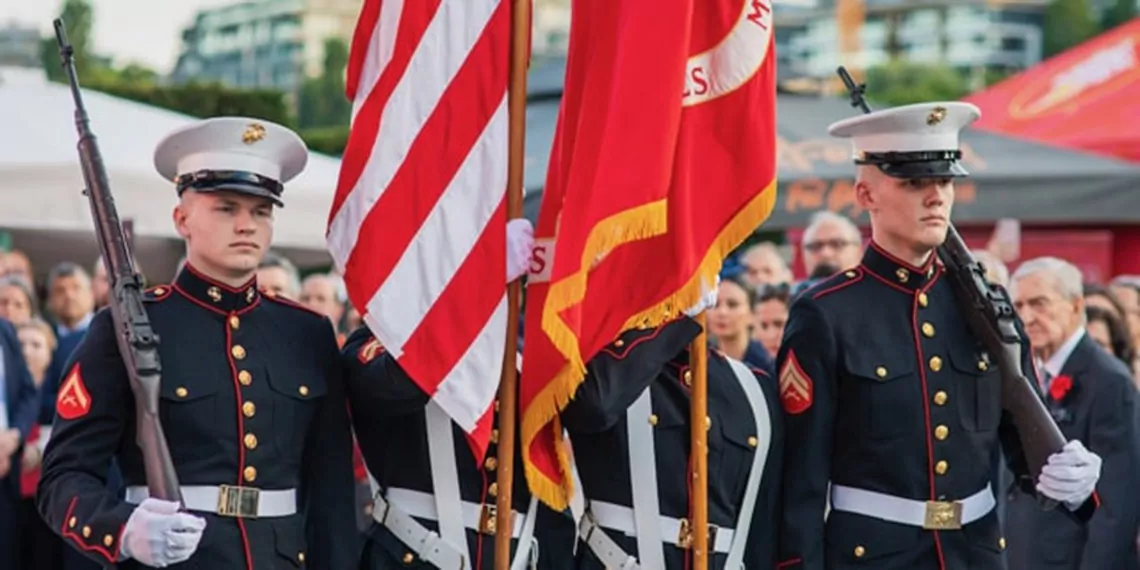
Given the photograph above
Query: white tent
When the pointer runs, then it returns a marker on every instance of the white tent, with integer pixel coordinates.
(41, 201)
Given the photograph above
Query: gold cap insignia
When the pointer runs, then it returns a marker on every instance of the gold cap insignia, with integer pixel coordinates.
(936, 116)
(253, 133)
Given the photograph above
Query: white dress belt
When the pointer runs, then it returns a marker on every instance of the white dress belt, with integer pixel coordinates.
(206, 499)
(905, 511)
(620, 518)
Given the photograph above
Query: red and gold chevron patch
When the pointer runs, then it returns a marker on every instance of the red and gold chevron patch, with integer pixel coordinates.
(795, 386)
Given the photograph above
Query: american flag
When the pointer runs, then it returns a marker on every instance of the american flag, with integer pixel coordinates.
(417, 226)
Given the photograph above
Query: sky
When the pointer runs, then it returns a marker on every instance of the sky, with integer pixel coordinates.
(143, 31)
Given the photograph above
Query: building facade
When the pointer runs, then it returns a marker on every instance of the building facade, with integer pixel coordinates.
(19, 46)
(964, 34)
(263, 43)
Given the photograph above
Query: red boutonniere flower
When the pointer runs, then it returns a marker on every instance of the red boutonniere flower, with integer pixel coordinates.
(1060, 387)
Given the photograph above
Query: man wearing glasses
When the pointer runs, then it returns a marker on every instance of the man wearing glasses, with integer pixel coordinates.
(832, 240)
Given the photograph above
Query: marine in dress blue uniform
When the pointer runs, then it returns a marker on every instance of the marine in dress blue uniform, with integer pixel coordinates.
(252, 399)
(629, 426)
(888, 397)
(411, 447)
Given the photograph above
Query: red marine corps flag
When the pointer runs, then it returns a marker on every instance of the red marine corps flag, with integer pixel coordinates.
(664, 160)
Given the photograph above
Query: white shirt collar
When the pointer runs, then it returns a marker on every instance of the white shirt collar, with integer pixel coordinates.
(1057, 361)
(82, 325)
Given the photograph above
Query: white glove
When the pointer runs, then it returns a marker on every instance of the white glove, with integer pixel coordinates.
(1070, 476)
(520, 243)
(707, 301)
(158, 535)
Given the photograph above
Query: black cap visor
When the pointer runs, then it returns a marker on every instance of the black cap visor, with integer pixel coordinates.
(912, 165)
(241, 182)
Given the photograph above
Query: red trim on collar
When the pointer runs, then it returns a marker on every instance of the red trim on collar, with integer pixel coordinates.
(218, 284)
(925, 267)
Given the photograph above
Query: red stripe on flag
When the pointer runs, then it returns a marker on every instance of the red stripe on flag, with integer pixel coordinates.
(414, 21)
(361, 40)
(435, 156)
(462, 309)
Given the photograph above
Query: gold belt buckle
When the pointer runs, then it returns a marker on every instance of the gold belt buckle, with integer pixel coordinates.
(685, 535)
(238, 502)
(487, 520)
(943, 515)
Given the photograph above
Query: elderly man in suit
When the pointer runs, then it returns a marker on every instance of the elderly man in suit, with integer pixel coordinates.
(1091, 397)
(19, 407)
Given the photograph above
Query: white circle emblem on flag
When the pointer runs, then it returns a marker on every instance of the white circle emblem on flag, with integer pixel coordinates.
(732, 61)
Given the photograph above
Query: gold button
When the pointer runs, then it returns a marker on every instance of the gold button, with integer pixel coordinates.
(941, 432)
(860, 551)
(248, 409)
(304, 390)
(495, 436)
(159, 291)
(250, 474)
(881, 372)
(235, 322)
(250, 441)
(983, 365)
(491, 464)
(493, 489)
(928, 330)
(850, 274)
(923, 300)
(652, 419)
(752, 441)
(72, 522)
(619, 343)
(687, 377)
(181, 392)
(86, 532)
(941, 467)
(238, 352)
(1001, 543)
(935, 363)
(902, 274)
(301, 557)
(409, 558)
(108, 540)
(708, 423)
(940, 398)
(214, 293)
(245, 378)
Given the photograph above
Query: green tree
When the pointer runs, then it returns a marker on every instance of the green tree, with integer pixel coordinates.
(322, 102)
(1120, 12)
(902, 82)
(78, 18)
(1067, 23)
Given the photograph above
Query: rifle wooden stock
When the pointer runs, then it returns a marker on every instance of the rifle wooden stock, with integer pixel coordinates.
(989, 312)
(138, 344)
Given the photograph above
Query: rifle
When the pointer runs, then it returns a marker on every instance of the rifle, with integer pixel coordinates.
(990, 316)
(138, 344)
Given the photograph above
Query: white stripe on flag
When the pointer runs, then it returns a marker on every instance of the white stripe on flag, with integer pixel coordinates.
(446, 237)
(380, 48)
(465, 394)
(456, 27)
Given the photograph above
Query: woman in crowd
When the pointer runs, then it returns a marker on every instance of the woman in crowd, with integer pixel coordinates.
(730, 324)
(769, 314)
(41, 546)
(17, 300)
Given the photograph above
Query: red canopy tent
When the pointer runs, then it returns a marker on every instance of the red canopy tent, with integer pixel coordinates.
(1086, 98)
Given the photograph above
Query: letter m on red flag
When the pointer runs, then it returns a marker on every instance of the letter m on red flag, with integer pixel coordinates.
(418, 224)
(664, 160)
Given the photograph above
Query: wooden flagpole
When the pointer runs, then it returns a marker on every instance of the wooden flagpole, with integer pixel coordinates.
(699, 426)
(508, 386)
